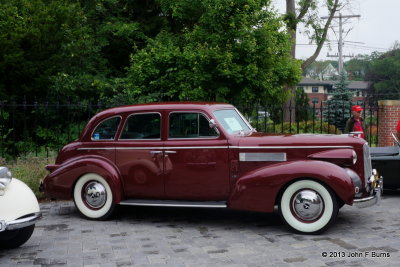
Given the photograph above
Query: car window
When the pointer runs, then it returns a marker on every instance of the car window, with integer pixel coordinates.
(190, 125)
(142, 126)
(231, 121)
(106, 129)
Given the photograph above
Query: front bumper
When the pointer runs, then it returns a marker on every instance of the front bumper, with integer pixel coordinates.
(374, 198)
(20, 223)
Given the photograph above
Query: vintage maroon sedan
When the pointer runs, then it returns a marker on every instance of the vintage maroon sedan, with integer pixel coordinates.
(208, 155)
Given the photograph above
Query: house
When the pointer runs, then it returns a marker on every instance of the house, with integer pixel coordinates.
(316, 90)
(319, 91)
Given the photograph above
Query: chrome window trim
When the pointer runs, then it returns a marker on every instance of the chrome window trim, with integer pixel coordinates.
(140, 113)
(192, 138)
(102, 140)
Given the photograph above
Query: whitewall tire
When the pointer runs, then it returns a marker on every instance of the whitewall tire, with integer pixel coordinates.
(93, 197)
(308, 206)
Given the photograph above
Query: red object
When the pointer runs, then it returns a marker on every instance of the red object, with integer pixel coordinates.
(358, 128)
(200, 152)
(398, 127)
(356, 108)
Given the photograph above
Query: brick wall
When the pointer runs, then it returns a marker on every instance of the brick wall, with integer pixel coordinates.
(389, 114)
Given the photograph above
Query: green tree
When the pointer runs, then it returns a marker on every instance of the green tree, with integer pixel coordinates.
(384, 73)
(339, 106)
(46, 49)
(358, 67)
(222, 50)
(302, 105)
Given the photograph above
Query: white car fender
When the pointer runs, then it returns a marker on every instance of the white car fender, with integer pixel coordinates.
(17, 200)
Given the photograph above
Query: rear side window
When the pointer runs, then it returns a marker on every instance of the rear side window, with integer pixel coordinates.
(106, 129)
(142, 126)
(190, 125)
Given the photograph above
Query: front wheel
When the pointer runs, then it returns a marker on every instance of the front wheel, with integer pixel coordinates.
(93, 197)
(15, 238)
(308, 207)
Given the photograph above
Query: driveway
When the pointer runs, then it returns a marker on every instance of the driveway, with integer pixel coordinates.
(149, 236)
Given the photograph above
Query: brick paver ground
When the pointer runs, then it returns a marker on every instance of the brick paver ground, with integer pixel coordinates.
(146, 236)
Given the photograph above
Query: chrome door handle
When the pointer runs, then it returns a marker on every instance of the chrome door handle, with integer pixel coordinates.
(170, 152)
(155, 152)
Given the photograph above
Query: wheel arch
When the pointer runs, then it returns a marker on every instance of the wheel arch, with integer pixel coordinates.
(259, 190)
(60, 183)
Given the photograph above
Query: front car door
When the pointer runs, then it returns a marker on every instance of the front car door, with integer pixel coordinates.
(195, 159)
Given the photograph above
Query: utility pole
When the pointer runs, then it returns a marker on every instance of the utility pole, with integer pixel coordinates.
(340, 44)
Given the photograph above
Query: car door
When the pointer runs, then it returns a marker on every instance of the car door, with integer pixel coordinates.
(195, 159)
(139, 156)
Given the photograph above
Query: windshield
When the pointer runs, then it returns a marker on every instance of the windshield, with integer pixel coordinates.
(231, 121)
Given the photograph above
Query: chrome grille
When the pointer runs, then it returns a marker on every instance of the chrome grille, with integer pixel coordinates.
(367, 163)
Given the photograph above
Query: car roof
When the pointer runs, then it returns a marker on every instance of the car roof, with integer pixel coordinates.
(164, 106)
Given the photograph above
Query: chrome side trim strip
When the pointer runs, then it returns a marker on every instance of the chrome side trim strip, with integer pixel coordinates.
(262, 157)
(211, 147)
(286, 147)
(96, 148)
(174, 203)
(158, 148)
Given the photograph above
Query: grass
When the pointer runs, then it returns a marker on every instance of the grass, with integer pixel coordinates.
(30, 170)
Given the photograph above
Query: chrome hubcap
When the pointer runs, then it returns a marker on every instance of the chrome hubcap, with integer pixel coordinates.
(95, 194)
(307, 205)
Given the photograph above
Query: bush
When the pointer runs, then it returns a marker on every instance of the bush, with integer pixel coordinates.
(31, 170)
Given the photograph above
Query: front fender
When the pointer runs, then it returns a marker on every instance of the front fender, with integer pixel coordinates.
(258, 190)
(17, 201)
(60, 183)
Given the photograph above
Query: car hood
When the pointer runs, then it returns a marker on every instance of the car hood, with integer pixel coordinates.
(301, 140)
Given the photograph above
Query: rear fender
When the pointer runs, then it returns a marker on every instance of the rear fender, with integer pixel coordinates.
(60, 183)
(259, 189)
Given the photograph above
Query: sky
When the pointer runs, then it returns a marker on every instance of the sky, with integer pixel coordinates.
(376, 30)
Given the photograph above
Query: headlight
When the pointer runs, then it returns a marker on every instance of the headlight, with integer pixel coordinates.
(5, 177)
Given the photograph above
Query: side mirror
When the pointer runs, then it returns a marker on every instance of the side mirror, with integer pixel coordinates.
(212, 124)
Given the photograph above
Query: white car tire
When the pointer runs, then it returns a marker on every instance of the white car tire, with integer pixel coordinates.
(308, 207)
(93, 197)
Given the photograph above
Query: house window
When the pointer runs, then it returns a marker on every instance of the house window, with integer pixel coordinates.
(315, 100)
(315, 89)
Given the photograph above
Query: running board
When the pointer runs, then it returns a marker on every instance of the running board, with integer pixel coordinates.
(174, 203)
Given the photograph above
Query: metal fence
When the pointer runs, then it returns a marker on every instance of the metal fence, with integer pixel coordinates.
(40, 128)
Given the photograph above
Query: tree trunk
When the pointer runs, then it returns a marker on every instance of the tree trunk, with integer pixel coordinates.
(291, 20)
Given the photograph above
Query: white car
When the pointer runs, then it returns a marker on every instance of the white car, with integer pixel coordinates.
(19, 211)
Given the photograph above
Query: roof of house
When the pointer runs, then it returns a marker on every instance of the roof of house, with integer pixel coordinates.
(353, 85)
(310, 81)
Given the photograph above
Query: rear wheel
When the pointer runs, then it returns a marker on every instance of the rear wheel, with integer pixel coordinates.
(16, 238)
(93, 197)
(308, 206)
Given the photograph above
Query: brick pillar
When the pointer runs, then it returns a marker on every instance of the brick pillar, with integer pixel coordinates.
(389, 114)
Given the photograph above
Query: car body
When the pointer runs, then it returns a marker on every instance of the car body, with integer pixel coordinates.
(208, 155)
(19, 211)
(387, 161)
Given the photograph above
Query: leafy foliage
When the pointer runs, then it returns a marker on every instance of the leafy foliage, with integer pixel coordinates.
(384, 73)
(339, 105)
(226, 50)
